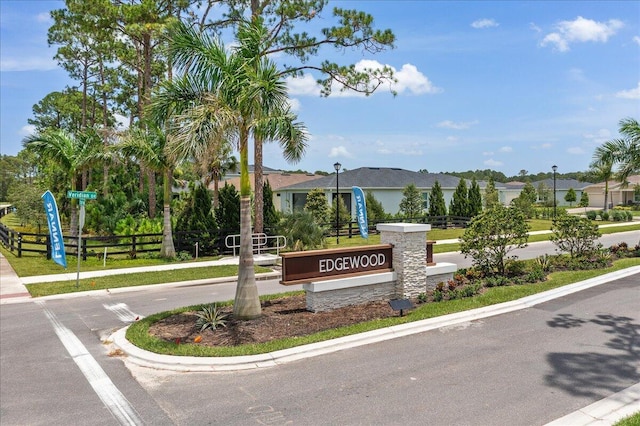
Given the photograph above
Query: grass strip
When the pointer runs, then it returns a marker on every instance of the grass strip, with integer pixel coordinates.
(138, 333)
(632, 420)
(136, 279)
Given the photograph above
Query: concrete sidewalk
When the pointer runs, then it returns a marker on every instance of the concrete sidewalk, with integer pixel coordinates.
(11, 287)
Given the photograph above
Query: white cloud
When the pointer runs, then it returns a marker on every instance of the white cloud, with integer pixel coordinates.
(599, 137)
(487, 153)
(506, 149)
(581, 30)
(575, 150)
(28, 64)
(294, 103)
(305, 85)
(409, 80)
(27, 130)
(484, 23)
(339, 151)
(492, 163)
(448, 124)
(629, 94)
(636, 40)
(44, 17)
(412, 80)
(535, 28)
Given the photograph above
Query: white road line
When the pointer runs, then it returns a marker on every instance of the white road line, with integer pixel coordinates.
(122, 311)
(112, 398)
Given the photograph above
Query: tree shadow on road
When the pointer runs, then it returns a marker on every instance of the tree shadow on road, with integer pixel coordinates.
(597, 374)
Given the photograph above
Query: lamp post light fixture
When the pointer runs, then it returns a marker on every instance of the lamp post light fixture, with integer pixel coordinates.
(337, 205)
(554, 168)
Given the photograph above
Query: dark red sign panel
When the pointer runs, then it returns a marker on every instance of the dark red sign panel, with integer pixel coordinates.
(315, 265)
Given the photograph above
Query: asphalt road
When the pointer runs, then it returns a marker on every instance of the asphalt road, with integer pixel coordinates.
(527, 367)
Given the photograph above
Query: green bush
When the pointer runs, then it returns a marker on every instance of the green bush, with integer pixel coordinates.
(604, 215)
(575, 235)
(592, 215)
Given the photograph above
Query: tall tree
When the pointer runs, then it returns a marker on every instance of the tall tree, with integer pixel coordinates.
(623, 152)
(475, 199)
(411, 204)
(459, 205)
(70, 153)
(491, 196)
(571, 197)
(602, 170)
(226, 96)
(354, 30)
(148, 146)
(375, 210)
(437, 205)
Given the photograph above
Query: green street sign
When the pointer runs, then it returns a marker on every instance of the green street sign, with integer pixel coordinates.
(82, 195)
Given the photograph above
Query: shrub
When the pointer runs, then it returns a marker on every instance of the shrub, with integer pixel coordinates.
(492, 235)
(618, 216)
(604, 215)
(210, 317)
(544, 262)
(575, 235)
(592, 215)
(629, 215)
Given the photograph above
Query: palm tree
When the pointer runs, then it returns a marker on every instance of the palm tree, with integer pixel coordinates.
(602, 169)
(72, 154)
(148, 146)
(624, 151)
(217, 161)
(226, 97)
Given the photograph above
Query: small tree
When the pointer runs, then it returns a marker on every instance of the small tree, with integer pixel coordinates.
(302, 231)
(198, 216)
(437, 206)
(544, 195)
(228, 210)
(526, 200)
(375, 210)
(412, 203)
(270, 214)
(575, 235)
(318, 206)
(492, 235)
(475, 199)
(491, 197)
(584, 201)
(570, 197)
(344, 216)
(459, 205)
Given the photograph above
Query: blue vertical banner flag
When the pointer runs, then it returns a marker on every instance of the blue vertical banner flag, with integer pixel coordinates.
(55, 230)
(361, 211)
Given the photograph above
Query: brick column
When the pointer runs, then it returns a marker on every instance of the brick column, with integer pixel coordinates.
(409, 242)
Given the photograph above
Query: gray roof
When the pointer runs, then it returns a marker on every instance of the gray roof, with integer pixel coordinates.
(561, 184)
(378, 178)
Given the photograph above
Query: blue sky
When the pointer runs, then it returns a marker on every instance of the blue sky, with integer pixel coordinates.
(506, 85)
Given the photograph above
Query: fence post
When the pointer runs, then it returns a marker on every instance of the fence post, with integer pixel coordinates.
(48, 242)
(12, 239)
(133, 244)
(84, 249)
(19, 244)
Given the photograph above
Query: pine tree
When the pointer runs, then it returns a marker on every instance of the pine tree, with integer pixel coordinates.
(475, 199)
(198, 217)
(437, 206)
(571, 196)
(228, 210)
(318, 206)
(491, 197)
(459, 205)
(375, 211)
(412, 203)
(271, 216)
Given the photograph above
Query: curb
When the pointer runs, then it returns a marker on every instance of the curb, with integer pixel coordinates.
(145, 358)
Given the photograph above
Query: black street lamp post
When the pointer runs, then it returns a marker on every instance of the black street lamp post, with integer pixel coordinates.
(337, 205)
(554, 168)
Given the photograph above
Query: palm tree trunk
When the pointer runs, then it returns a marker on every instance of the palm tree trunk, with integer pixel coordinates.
(168, 249)
(258, 199)
(247, 302)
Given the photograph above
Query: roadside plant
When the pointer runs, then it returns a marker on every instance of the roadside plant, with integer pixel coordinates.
(210, 317)
(575, 235)
(592, 215)
(544, 262)
(492, 235)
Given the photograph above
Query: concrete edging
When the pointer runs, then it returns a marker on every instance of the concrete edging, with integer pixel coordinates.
(212, 364)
